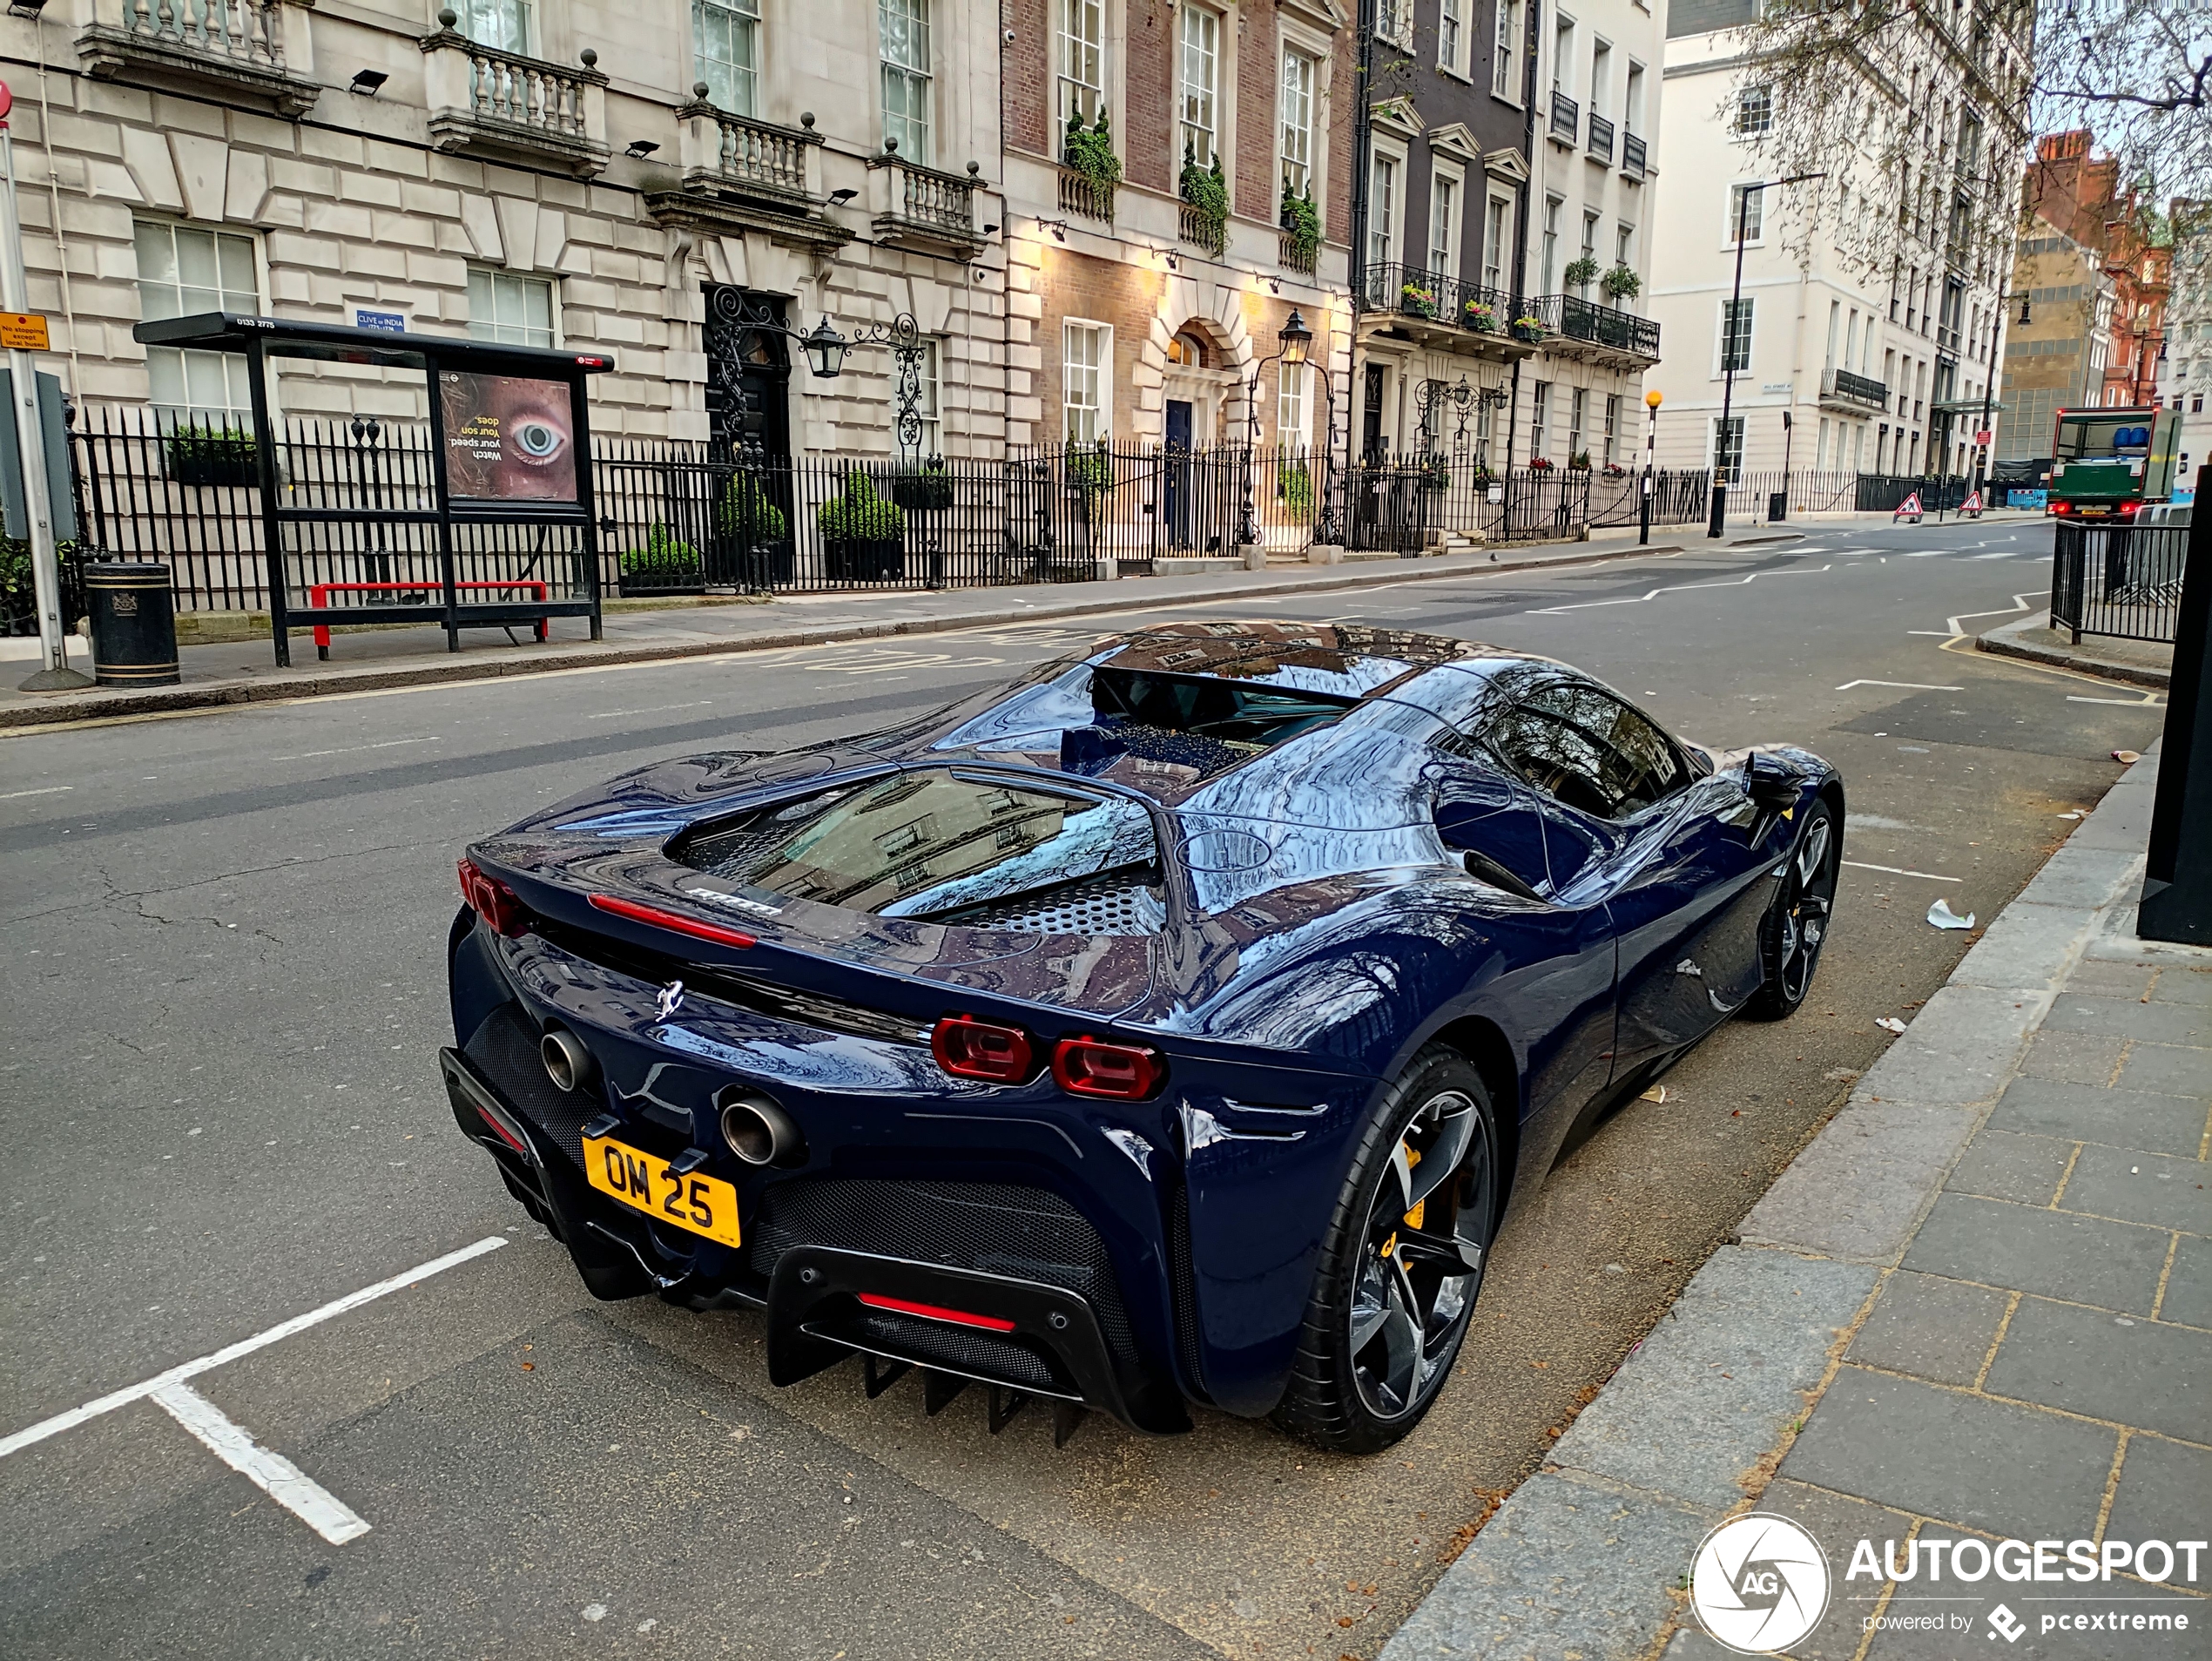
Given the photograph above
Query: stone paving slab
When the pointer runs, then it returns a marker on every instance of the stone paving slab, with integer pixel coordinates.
(1857, 1192)
(2123, 1117)
(1936, 1329)
(2055, 1254)
(2188, 1285)
(2104, 1366)
(2025, 1170)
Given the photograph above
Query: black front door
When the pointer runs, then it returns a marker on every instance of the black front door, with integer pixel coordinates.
(748, 374)
(1178, 472)
(1371, 415)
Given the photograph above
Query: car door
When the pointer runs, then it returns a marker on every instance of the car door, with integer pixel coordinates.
(1668, 852)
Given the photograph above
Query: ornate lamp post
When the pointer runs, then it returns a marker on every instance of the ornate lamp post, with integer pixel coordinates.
(825, 349)
(1295, 341)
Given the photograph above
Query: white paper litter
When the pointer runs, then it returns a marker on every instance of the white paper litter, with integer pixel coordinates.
(2071, 815)
(1656, 1093)
(1940, 915)
(1890, 1023)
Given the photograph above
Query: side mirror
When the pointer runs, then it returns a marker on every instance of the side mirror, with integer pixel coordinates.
(1771, 786)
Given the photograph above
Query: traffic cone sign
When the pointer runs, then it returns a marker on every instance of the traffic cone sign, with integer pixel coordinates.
(1971, 508)
(1908, 509)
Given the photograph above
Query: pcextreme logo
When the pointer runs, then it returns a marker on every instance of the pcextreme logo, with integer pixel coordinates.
(1759, 1583)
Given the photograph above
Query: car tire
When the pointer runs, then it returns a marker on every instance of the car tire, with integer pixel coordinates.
(1381, 1331)
(1795, 925)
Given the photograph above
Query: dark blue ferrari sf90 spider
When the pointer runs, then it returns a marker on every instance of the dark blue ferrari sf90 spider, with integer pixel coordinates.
(1177, 1024)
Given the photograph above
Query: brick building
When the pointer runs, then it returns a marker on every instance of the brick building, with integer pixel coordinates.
(1140, 307)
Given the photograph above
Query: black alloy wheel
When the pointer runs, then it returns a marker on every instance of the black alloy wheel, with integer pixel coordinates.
(1402, 1264)
(1795, 926)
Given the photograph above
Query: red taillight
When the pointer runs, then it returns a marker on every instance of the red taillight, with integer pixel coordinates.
(499, 907)
(1124, 1072)
(967, 1047)
(502, 1131)
(937, 1312)
(673, 921)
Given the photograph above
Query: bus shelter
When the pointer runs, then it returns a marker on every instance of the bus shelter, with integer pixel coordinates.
(479, 516)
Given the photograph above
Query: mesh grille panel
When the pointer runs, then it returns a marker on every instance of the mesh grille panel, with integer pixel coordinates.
(970, 1352)
(506, 1048)
(994, 1228)
(1107, 904)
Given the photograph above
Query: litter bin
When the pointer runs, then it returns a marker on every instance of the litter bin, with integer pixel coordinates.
(1778, 506)
(134, 624)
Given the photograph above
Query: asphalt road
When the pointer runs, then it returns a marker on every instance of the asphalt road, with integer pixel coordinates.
(220, 1112)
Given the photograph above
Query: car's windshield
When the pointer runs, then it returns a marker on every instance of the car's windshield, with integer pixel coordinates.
(923, 844)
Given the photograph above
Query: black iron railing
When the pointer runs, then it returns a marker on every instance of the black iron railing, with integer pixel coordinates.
(2117, 580)
(1632, 155)
(1567, 117)
(1430, 296)
(1856, 389)
(1576, 319)
(1601, 140)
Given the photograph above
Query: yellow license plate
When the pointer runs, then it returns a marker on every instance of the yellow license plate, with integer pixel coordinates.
(644, 1182)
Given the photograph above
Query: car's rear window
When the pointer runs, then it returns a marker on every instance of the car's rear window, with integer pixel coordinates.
(930, 843)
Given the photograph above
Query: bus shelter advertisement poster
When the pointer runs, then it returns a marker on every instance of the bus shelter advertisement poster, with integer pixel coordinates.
(508, 437)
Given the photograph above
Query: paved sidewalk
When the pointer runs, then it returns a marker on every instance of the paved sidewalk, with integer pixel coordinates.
(1989, 1278)
(244, 672)
(2138, 662)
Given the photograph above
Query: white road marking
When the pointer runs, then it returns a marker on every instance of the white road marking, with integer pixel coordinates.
(51, 790)
(2146, 701)
(271, 1473)
(1940, 634)
(355, 749)
(1672, 588)
(283, 1329)
(1895, 870)
(654, 709)
(1909, 686)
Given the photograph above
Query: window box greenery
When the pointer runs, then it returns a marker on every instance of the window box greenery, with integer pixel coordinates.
(1301, 220)
(1581, 272)
(1578, 462)
(1479, 315)
(1206, 191)
(210, 455)
(1089, 151)
(1417, 301)
(1621, 284)
(863, 536)
(1540, 464)
(1528, 330)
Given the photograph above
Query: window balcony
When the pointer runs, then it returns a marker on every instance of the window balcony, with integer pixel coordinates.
(1201, 229)
(1578, 328)
(1086, 198)
(502, 105)
(231, 50)
(1633, 157)
(1601, 143)
(917, 206)
(1449, 310)
(740, 174)
(1293, 255)
(1853, 394)
(1566, 118)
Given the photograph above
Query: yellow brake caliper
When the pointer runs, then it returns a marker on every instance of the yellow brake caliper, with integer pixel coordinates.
(1413, 1217)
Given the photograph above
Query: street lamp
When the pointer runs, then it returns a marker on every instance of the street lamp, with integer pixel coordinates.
(824, 350)
(1651, 402)
(1294, 341)
(1718, 518)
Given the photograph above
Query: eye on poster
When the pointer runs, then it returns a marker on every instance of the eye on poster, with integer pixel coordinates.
(508, 437)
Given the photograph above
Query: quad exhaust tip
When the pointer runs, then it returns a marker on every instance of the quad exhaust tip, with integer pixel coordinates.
(568, 1064)
(759, 1132)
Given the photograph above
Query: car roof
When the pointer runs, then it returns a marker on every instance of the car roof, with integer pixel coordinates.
(1335, 659)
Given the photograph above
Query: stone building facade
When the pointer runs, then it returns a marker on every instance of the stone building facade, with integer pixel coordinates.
(1138, 316)
(562, 172)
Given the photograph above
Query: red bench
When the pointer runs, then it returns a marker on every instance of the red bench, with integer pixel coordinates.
(319, 599)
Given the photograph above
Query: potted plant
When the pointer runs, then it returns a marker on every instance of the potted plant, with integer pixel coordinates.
(666, 564)
(195, 455)
(752, 545)
(1301, 222)
(862, 535)
(1417, 301)
(1540, 464)
(1581, 272)
(1295, 484)
(1578, 462)
(1615, 471)
(926, 489)
(1621, 284)
(1435, 474)
(1479, 315)
(1529, 329)
(1088, 152)
(1207, 192)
